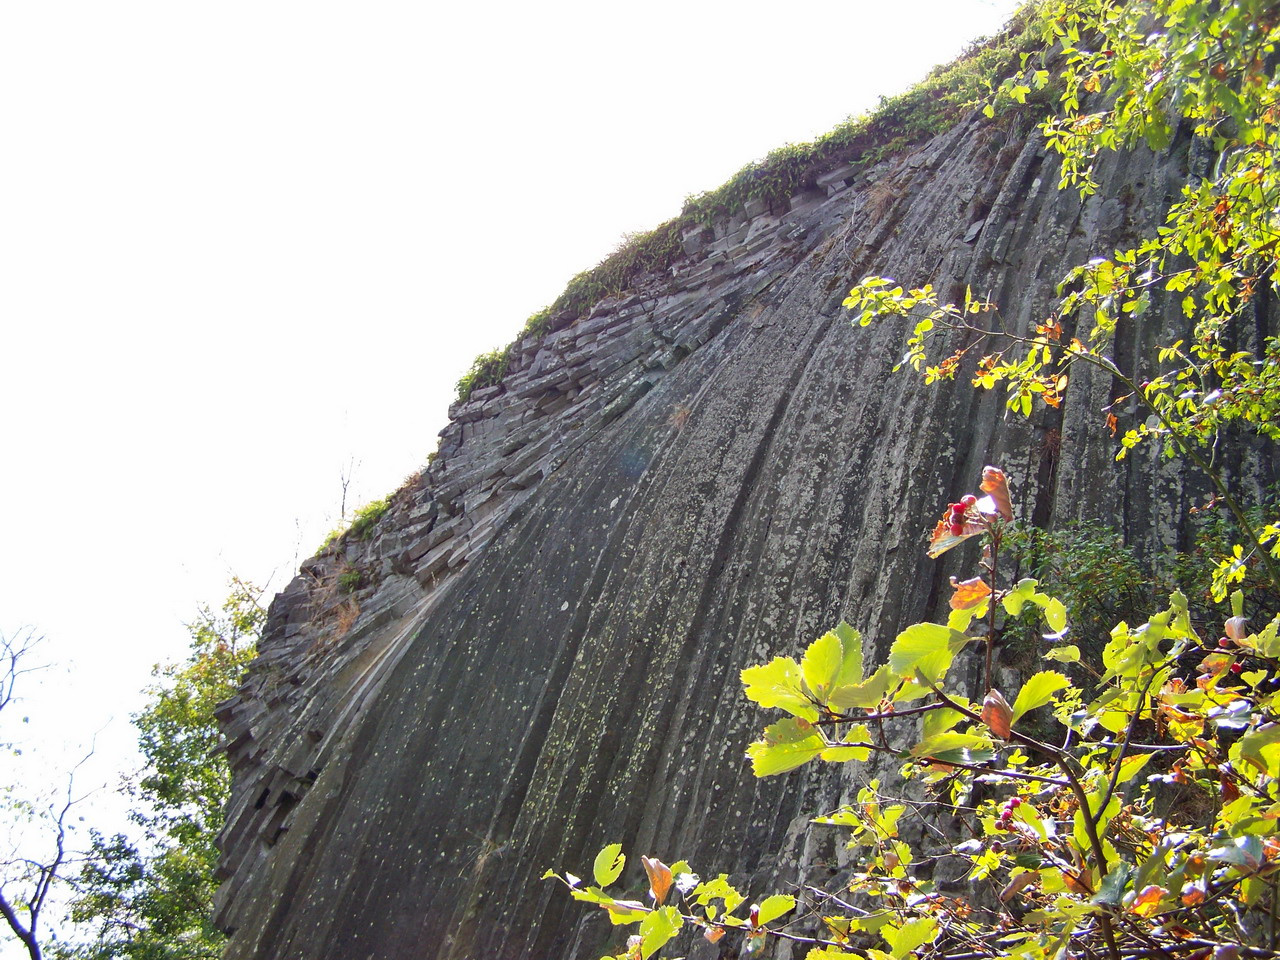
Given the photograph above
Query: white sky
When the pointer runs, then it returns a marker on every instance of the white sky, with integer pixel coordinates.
(244, 243)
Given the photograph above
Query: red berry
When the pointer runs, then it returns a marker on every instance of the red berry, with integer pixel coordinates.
(968, 500)
(957, 508)
(957, 529)
(1237, 667)
(1225, 643)
(1015, 802)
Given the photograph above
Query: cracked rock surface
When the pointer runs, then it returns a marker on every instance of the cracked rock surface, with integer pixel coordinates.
(543, 654)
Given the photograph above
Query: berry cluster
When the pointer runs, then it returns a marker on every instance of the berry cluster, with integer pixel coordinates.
(956, 512)
(1006, 812)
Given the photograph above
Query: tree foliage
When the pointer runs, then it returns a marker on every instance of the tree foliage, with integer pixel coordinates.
(148, 895)
(1124, 804)
(39, 846)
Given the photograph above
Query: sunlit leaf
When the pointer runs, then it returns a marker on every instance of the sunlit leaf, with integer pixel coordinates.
(997, 714)
(947, 742)
(657, 928)
(786, 745)
(912, 934)
(858, 733)
(771, 908)
(659, 878)
(821, 663)
(996, 486)
(926, 647)
(968, 593)
(866, 694)
(1038, 691)
(608, 865)
(851, 666)
(1147, 902)
(777, 684)
(1131, 766)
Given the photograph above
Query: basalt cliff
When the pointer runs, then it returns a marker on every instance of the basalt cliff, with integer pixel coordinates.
(541, 651)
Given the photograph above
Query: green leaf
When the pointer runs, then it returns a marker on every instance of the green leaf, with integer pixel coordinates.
(1113, 884)
(717, 889)
(774, 907)
(1261, 748)
(777, 684)
(657, 928)
(1067, 654)
(927, 647)
(786, 745)
(609, 864)
(1018, 597)
(866, 694)
(1038, 691)
(1131, 766)
(851, 667)
(950, 741)
(1079, 829)
(943, 719)
(912, 934)
(1055, 614)
(821, 663)
(858, 733)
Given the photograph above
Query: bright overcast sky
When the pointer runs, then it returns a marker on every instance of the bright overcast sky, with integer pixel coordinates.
(245, 244)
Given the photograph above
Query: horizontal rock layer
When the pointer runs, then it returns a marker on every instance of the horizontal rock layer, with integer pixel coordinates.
(543, 654)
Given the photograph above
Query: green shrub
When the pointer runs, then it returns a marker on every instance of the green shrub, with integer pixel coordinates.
(898, 124)
(487, 370)
(367, 516)
(361, 525)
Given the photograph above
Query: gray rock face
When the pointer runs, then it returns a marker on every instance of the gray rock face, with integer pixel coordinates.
(544, 654)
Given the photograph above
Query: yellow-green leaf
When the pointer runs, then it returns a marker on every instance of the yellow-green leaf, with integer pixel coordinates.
(856, 734)
(927, 647)
(786, 745)
(771, 908)
(851, 667)
(1038, 691)
(866, 694)
(1132, 765)
(657, 928)
(609, 864)
(777, 684)
(821, 663)
(912, 934)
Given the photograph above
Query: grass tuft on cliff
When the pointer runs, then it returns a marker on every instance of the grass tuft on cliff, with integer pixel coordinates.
(896, 125)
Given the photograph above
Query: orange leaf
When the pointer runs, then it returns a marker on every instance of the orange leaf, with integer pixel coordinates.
(1112, 423)
(713, 934)
(1148, 901)
(997, 714)
(1192, 894)
(968, 593)
(996, 486)
(659, 878)
(1075, 883)
(1017, 883)
(1052, 329)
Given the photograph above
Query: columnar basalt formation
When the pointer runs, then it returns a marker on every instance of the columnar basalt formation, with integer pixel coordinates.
(542, 656)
